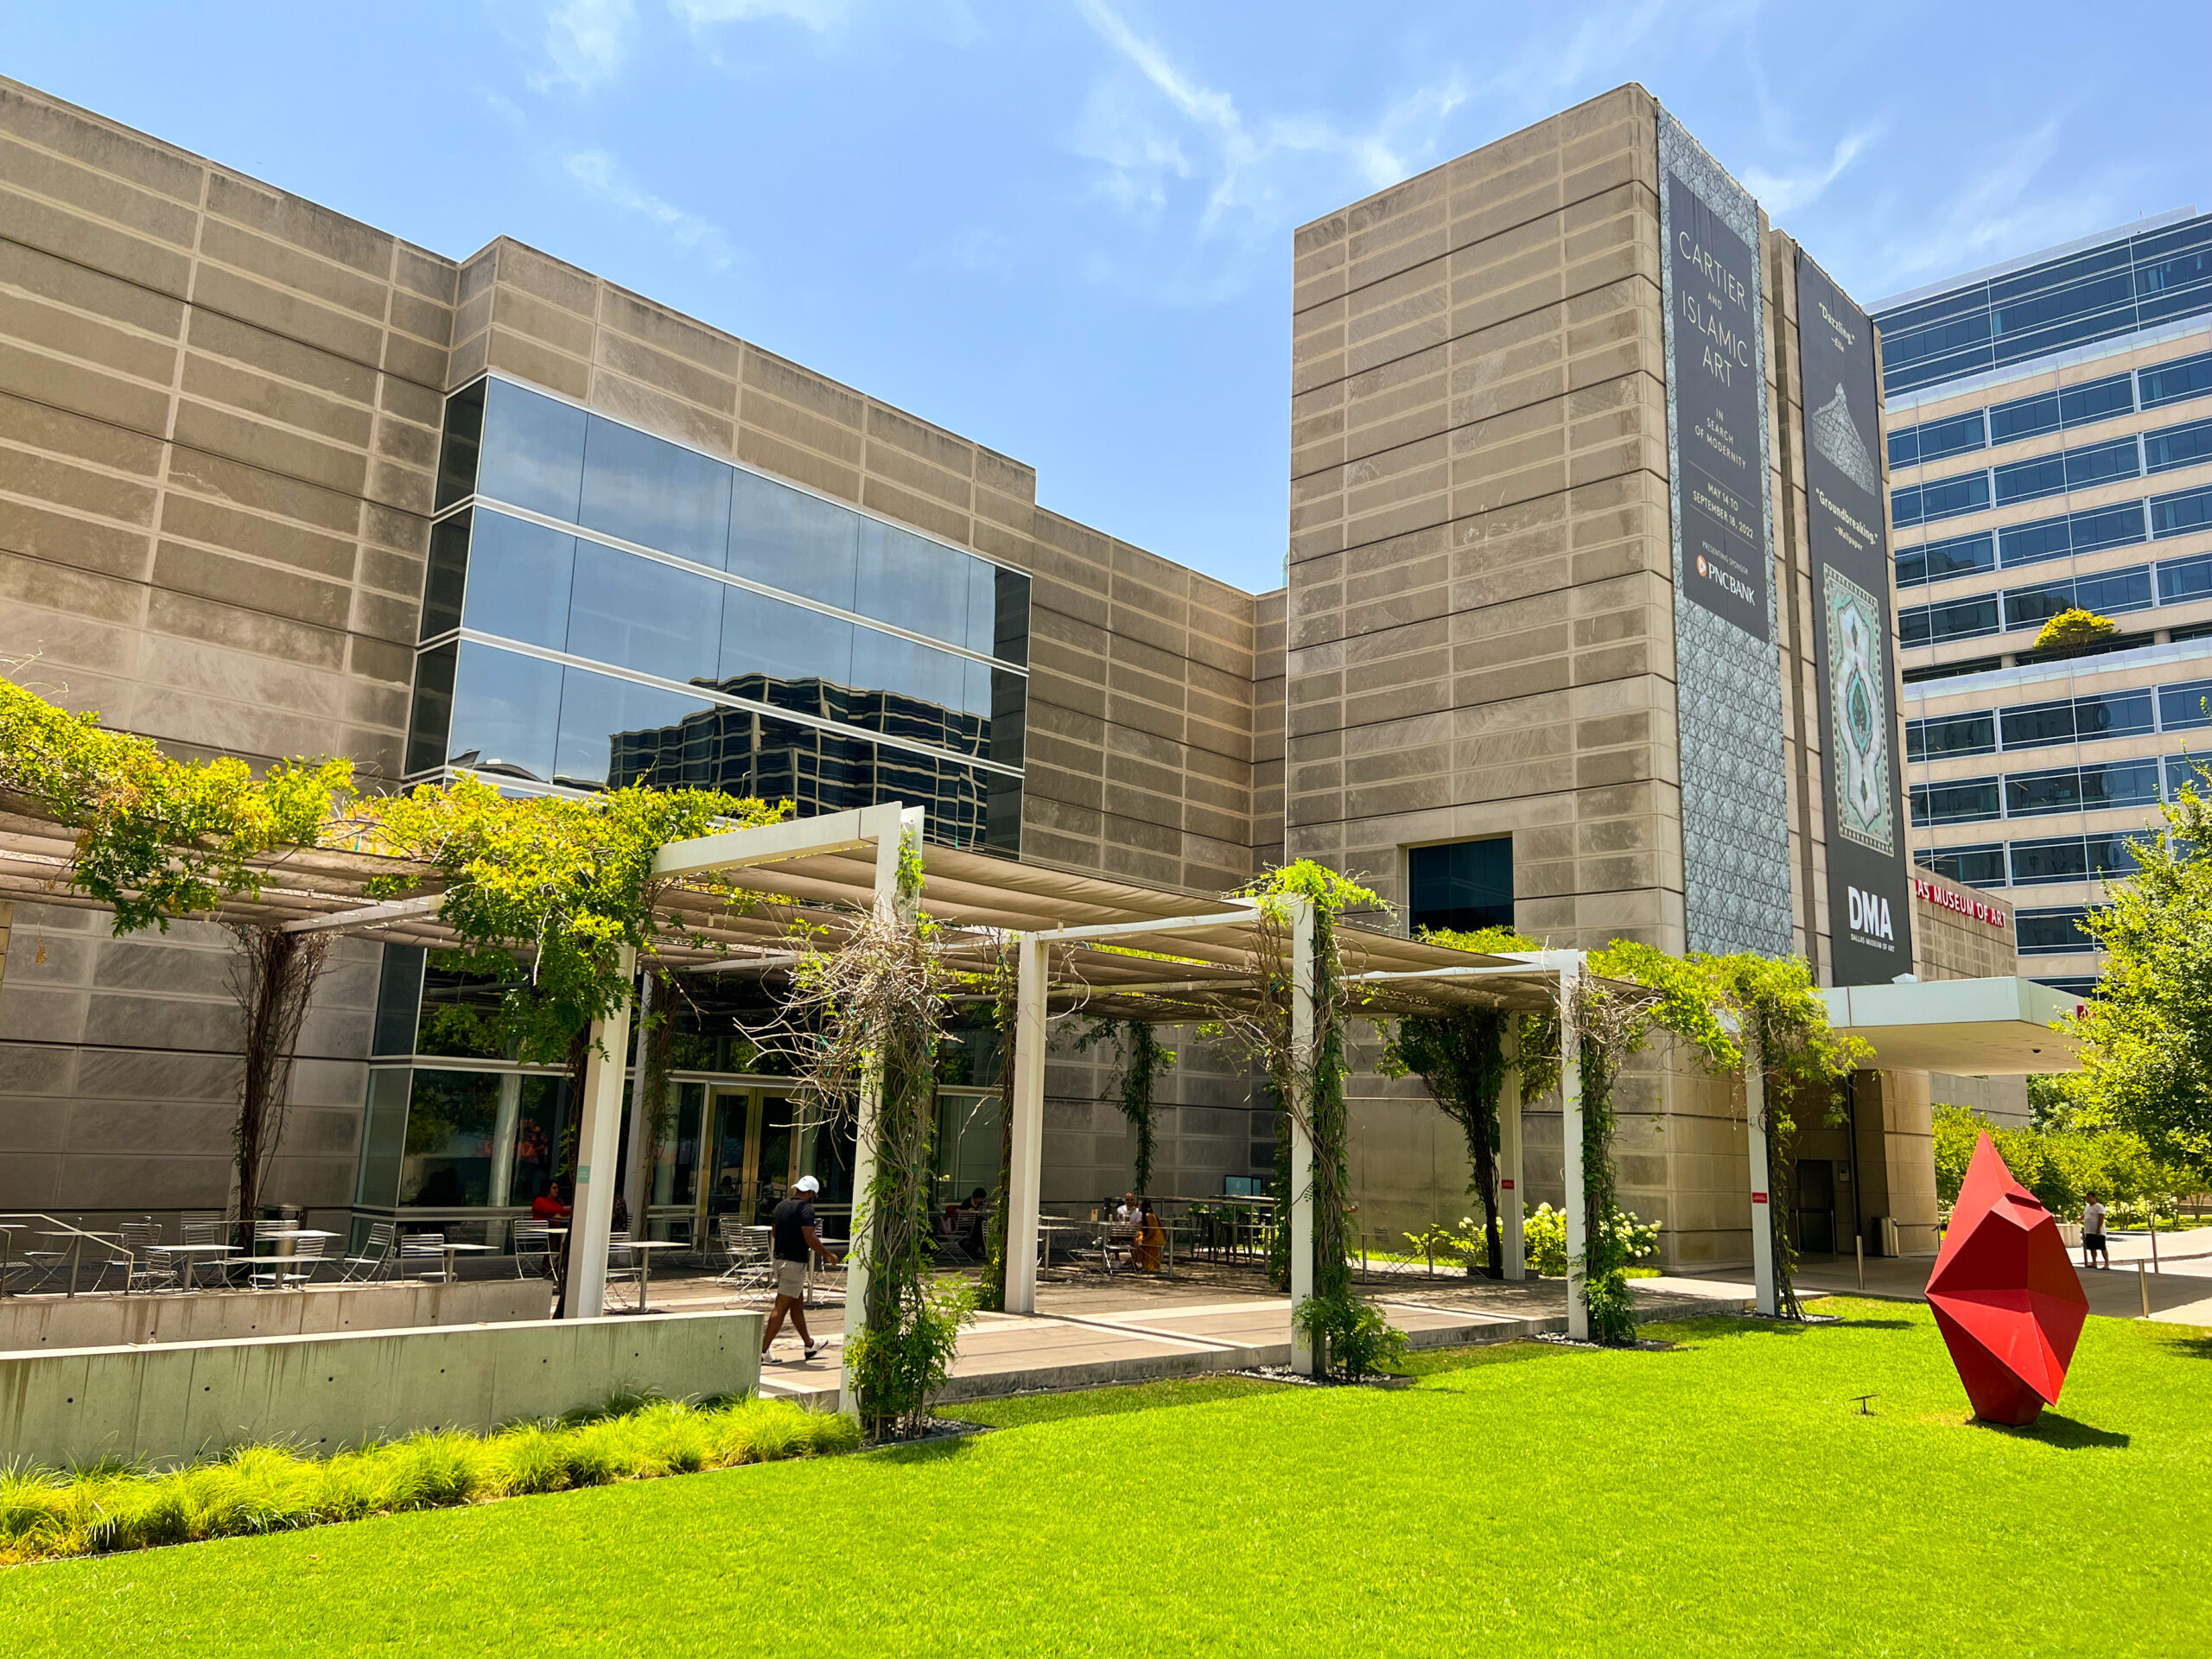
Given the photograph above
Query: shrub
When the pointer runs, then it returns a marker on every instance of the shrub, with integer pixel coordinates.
(1543, 1233)
(268, 1489)
(1354, 1339)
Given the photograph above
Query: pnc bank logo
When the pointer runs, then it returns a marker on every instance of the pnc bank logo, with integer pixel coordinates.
(1870, 916)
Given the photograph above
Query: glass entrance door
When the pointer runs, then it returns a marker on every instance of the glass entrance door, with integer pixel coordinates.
(752, 1156)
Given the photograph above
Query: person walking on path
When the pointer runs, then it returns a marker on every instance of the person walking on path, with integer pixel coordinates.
(2092, 1233)
(793, 1240)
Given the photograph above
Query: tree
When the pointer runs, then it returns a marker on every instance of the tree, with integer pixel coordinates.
(272, 978)
(1143, 1058)
(2146, 1036)
(2075, 630)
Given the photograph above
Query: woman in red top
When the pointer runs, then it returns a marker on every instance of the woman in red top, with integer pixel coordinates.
(547, 1205)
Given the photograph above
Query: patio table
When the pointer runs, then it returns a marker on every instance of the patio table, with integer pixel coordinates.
(453, 1249)
(196, 1250)
(644, 1248)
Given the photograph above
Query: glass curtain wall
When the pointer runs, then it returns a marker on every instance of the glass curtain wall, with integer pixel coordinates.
(604, 607)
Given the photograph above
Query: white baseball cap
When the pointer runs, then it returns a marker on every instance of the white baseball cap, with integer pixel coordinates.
(808, 1183)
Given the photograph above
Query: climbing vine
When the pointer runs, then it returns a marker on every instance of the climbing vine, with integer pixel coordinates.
(1003, 983)
(1458, 1053)
(1349, 1334)
(1143, 1059)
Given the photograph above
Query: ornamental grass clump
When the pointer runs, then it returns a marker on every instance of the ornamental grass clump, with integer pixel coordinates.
(45, 1513)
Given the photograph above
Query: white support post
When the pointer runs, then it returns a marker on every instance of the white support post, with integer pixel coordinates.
(1570, 1126)
(598, 1140)
(890, 838)
(504, 1128)
(1303, 1357)
(1026, 1183)
(1509, 1176)
(635, 1192)
(1762, 1208)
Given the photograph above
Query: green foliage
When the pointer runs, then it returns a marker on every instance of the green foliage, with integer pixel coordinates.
(270, 1488)
(158, 838)
(1143, 1060)
(563, 885)
(1353, 1334)
(2075, 628)
(1543, 1233)
(898, 1365)
(2061, 1165)
(2146, 1036)
(1003, 982)
(1459, 1054)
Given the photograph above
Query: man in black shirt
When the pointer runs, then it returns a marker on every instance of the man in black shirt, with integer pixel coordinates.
(794, 1240)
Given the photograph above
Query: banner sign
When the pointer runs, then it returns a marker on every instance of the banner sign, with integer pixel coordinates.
(1869, 874)
(1735, 791)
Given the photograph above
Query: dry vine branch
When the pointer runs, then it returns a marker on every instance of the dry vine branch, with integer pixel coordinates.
(272, 978)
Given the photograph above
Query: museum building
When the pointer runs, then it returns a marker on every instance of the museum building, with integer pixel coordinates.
(1589, 628)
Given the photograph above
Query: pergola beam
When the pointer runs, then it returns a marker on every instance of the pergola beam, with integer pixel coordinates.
(351, 921)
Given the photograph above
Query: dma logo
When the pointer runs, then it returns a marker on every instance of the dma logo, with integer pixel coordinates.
(1869, 917)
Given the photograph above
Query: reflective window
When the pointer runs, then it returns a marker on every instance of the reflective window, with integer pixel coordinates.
(2063, 858)
(1464, 887)
(2051, 933)
(384, 1137)
(445, 576)
(2100, 463)
(1945, 497)
(2031, 607)
(2187, 772)
(2121, 525)
(919, 584)
(2097, 400)
(639, 614)
(1966, 802)
(506, 713)
(1961, 619)
(430, 708)
(884, 662)
(519, 578)
(451, 1122)
(2114, 714)
(2183, 707)
(2110, 592)
(2182, 580)
(1936, 440)
(2034, 725)
(789, 539)
(1981, 866)
(2032, 794)
(2119, 783)
(533, 453)
(2032, 544)
(2182, 511)
(399, 995)
(614, 732)
(1947, 735)
(2023, 418)
(780, 641)
(2175, 382)
(1961, 556)
(2177, 446)
(457, 450)
(2025, 480)
(655, 493)
(2112, 856)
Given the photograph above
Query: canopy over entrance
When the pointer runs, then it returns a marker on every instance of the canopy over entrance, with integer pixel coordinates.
(1968, 1027)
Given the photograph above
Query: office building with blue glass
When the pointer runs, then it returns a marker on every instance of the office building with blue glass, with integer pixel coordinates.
(2050, 431)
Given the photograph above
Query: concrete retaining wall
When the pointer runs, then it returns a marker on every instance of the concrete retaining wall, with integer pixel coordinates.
(31, 1323)
(172, 1403)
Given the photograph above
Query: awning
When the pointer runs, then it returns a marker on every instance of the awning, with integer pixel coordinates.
(1968, 1027)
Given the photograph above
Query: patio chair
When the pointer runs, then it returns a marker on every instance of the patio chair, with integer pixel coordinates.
(750, 1267)
(422, 1256)
(533, 1250)
(307, 1252)
(142, 1239)
(375, 1260)
(623, 1266)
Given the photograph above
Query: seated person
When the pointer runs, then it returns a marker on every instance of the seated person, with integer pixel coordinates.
(1129, 1212)
(1151, 1239)
(550, 1205)
(976, 1212)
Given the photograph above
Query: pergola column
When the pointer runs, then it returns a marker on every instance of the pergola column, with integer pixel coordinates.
(1026, 1179)
(1510, 1242)
(1570, 1122)
(637, 1190)
(1303, 1357)
(599, 1137)
(1762, 1208)
(889, 838)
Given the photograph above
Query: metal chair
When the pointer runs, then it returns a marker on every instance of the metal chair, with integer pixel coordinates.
(623, 1266)
(307, 1252)
(533, 1242)
(422, 1256)
(750, 1265)
(375, 1259)
(141, 1239)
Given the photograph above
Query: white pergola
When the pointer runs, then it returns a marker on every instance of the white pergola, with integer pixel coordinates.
(1113, 947)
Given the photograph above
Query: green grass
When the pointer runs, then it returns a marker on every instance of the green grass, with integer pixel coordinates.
(1725, 1497)
(46, 1513)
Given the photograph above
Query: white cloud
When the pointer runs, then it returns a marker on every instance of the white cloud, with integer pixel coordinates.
(1164, 138)
(1785, 193)
(820, 16)
(586, 42)
(600, 173)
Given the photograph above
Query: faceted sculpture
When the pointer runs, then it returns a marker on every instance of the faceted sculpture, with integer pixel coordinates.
(2006, 1295)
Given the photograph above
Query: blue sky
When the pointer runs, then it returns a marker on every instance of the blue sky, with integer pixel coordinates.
(1062, 227)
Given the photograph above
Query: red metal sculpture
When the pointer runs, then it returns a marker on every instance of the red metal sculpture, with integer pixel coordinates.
(2006, 1295)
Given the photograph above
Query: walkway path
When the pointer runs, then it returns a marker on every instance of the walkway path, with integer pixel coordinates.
(1090, 1330)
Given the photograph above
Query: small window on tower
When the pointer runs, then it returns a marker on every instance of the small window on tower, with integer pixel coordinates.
(1466, 886)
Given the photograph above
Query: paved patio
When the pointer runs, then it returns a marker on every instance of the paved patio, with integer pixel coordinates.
(1089, 1329)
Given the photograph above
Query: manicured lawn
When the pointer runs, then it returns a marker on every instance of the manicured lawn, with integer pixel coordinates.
(1723, 1498)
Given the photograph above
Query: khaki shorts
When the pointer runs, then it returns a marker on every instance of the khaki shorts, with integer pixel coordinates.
(790, 1279)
